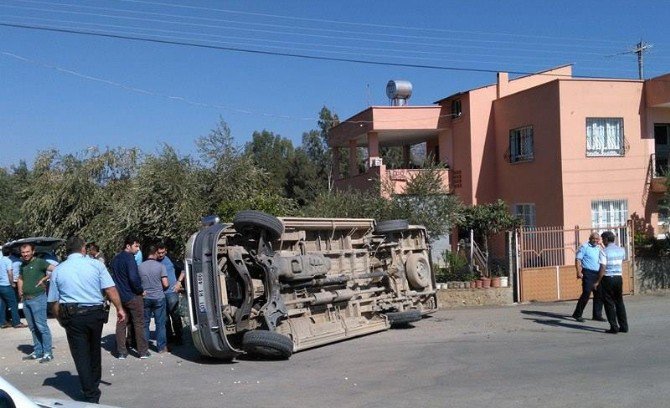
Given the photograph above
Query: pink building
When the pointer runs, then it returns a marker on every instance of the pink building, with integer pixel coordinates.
(559, 150)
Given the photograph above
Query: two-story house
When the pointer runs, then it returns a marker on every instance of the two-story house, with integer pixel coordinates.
(560, 150)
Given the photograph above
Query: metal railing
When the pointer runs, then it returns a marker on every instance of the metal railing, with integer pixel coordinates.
(557, 246)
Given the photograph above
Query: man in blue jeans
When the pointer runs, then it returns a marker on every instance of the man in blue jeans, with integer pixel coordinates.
(173, 323)
(154, 280)
(587, 264)
(32, 288)
(7, 296)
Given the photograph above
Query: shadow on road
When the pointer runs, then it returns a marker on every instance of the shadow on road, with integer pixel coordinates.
(25, 348)
(65, 382)
(559, 320)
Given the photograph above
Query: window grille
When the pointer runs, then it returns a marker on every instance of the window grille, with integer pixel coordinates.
(521, 144)
(604, 137)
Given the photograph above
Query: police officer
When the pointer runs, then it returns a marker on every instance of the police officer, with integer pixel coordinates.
(587, 266)
(611, 281)
(76, 288)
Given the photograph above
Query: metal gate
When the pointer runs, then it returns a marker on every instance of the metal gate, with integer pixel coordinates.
(545, 262)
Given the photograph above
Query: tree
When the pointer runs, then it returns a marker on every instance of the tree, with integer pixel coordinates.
(162, 202)
(425, 201)
(10, 202)
(487, 220)
(68, 195)
(273, 154)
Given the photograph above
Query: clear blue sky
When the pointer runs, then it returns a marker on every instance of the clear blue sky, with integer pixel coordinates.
(71, 92)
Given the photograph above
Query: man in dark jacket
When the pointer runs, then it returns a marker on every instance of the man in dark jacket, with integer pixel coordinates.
(129, 286)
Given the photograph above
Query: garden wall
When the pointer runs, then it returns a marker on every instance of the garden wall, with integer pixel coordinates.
(451, 298)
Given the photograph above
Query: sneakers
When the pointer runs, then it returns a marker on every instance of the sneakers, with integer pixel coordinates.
(145, 356)
(21, 326)
(122, 356)
(32, 356)
(6, 325)
(46, 358)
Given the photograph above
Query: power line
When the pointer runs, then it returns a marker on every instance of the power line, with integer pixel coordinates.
(394, 27)
(570, 45)
(293, 28)
(244, 50)
(402, 54)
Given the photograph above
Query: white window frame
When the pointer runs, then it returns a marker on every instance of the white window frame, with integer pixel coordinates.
(606, 214)
(526, 211)
(605, 137)
(521, 147)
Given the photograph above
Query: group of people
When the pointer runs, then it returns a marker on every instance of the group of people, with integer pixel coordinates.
(599, 266)
(148, 289)
(80, 289)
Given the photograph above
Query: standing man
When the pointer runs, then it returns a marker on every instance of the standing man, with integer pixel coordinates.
(32, 288)
(587, 266)
(173, 323)
(154, 281)
(93, 251)
(76, 288)
(7, 295)
(611, 280)
(129, 286)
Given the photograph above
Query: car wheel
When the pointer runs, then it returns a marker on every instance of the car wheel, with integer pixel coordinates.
(258, 219)
(399, 319)
(389, 226)
(417, 269)
(267, 344)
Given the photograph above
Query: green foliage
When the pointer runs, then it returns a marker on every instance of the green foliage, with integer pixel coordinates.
(349, 204)
(456, 268)
(426, 202)
(10, 203)
(273, 154)
(488, 219)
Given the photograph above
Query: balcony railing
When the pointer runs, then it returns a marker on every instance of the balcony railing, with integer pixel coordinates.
(657, 173)
(392, 181)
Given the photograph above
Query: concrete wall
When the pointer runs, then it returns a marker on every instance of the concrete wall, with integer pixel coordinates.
(601, 178)
(451, 298)
(537, 181)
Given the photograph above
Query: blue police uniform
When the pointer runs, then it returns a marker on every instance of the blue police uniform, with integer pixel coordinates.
(589, 256)
(77, 285)
(612, 287)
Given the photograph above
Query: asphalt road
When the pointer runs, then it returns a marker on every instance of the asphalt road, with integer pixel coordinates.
(517, 356)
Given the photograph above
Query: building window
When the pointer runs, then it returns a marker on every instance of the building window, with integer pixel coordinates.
(526, 212)
(604, 137)
(521, 144)
(661, 132)
(456, 110)
(611, 215)
(608, 213)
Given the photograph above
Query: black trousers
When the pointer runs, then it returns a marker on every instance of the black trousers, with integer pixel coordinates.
(588, 280)
(84, 330)
(612, 292)
(173, 324)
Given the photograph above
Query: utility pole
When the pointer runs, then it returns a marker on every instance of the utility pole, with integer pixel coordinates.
(640, 48)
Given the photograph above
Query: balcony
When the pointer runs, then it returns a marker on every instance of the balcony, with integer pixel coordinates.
(388, 182)
(657, 174)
